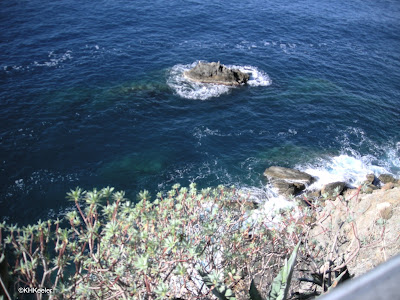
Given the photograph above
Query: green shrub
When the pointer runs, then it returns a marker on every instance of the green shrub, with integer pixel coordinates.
(185, 244)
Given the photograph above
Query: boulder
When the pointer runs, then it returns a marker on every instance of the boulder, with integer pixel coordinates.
(385, 178)
(288, 181)
(315, 194)
(275, 173)
(217, 73)
(366, 189)
(370, 178)
(284, 187)
(333, 188)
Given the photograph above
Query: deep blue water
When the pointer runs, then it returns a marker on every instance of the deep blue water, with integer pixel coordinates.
(90, 95)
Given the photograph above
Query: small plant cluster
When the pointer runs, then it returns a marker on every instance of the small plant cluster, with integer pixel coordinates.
(184, 244)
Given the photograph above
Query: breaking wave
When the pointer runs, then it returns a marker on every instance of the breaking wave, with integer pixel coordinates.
(351, 168)
(203, 91)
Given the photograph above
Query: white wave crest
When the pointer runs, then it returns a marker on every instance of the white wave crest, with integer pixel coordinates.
(54, 59)
(202, 91)
(192, 90)
(346, 168)
(271, 204)
(257, 77)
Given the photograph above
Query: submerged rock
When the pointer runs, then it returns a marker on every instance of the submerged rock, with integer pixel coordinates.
(288, 181)
(217, 73)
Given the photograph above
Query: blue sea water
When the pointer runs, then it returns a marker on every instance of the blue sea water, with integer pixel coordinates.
(92, 94)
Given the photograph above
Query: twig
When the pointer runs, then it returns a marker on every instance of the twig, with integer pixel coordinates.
(354, 253)
(5, 289)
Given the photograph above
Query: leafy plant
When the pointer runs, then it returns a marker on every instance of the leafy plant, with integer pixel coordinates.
(281, 283)
(220, 290)
(329, 279)
(279, 288)
(186, 243)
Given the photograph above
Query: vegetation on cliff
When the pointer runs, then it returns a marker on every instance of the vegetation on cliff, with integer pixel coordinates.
(184, 244)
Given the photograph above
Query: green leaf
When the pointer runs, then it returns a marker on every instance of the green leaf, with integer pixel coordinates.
(180, 270)
(219, 289)
(75, 195)
(161, 290)
(142, 263)
(254, 293)
(281, 284)
(336, 281)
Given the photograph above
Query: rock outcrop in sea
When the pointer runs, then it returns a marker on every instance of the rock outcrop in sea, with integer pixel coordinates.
(216, 73)
(288, 181)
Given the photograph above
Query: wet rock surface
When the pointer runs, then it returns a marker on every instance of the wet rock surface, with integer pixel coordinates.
(288, 181)
(216, 73)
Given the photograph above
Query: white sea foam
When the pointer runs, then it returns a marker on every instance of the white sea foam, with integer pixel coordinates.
(352, 167)
(19, 183)
(202, 91)
(52, 60)
(192, 90)
(38, 179)
(270, 205)
(55, 59)
(257, 76)
(344, 167)
(349, 166)
(393, 156)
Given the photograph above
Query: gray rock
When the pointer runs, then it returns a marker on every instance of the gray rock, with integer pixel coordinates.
(367, 190)
(315, 194)
(275, 173)
(372, 186)
(370, 178)
(386, 178)
(284, 187)
(216, 73)
(333, 189)
(288, 181)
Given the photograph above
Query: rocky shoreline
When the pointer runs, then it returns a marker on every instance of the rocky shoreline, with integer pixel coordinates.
(360, 226)
(292, 183)
(366, 227)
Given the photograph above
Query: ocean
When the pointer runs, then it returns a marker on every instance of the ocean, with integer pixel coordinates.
(92, 94)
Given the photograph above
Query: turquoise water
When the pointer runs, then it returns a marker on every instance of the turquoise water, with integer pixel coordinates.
(92, 94)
